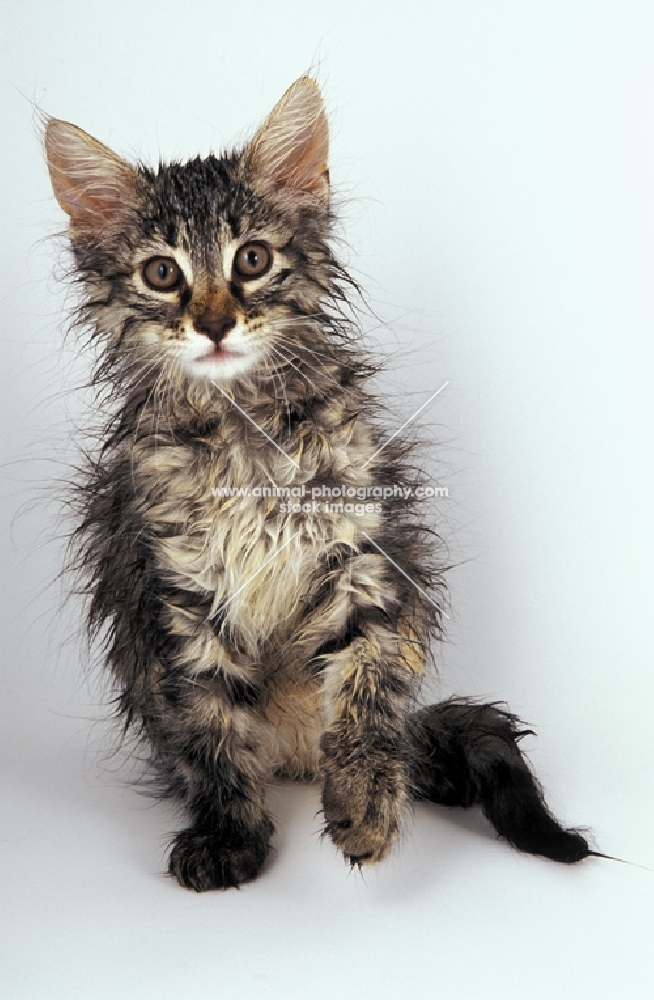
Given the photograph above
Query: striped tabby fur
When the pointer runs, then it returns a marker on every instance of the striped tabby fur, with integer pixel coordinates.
(247, 643)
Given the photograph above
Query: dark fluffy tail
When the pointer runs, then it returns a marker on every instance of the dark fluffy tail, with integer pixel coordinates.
(467, 753)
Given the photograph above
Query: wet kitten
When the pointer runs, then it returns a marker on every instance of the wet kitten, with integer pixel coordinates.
(248, 642)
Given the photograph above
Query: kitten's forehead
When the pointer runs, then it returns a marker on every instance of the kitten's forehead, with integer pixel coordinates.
(203, 204)
(206, 206)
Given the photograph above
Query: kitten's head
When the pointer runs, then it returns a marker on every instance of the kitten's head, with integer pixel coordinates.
(205, 266)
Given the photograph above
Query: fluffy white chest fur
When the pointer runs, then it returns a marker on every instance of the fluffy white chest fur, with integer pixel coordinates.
(255, 562)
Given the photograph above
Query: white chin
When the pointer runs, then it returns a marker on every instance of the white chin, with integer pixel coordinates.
(218, 365)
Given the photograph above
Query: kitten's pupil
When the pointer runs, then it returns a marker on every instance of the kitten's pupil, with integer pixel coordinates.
(253, 259)
(162, 271)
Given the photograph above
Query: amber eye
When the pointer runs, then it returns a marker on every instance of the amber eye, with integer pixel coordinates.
(252, 260)
(162, 273)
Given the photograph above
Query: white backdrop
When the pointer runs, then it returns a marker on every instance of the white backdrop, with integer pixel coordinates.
(496, 165)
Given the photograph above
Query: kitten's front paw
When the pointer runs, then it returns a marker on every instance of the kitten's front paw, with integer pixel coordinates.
(203, 860)
(363, 805)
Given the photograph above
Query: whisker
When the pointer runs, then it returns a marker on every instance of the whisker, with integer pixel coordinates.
(277, 350)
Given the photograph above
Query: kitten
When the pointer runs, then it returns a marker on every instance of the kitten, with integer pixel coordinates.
(248, 638)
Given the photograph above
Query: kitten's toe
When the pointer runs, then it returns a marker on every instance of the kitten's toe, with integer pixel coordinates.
(362, 811)
(202, 860)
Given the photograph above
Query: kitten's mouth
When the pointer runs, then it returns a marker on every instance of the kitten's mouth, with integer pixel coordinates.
(219, 354)
(219, 358)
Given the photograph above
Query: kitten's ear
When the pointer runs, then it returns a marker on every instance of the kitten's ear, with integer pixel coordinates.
(92, 185)
(290, 149)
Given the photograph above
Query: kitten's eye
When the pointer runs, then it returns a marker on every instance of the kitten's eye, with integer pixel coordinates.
(162, 273)
(252, 260)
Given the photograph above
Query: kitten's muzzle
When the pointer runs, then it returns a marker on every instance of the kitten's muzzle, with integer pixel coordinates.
(215, 327)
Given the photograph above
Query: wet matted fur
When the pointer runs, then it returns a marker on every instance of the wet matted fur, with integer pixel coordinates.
(251, 639)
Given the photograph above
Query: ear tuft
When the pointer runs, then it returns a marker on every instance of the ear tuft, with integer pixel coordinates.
(290, 150)
(93, 185)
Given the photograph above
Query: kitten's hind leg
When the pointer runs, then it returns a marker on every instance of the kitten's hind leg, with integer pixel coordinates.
(467, 753)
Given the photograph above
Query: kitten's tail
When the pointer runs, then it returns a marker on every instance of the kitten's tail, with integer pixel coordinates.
(466, 753)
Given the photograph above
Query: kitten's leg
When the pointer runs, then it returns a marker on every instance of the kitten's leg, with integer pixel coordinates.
(368, 686)
(204, 729)
(466, 753)
(229, 837)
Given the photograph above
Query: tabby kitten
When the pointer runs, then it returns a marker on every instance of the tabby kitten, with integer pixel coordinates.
(251, 639)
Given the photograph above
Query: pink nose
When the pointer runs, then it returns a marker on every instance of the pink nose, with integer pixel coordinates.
(213, 326)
